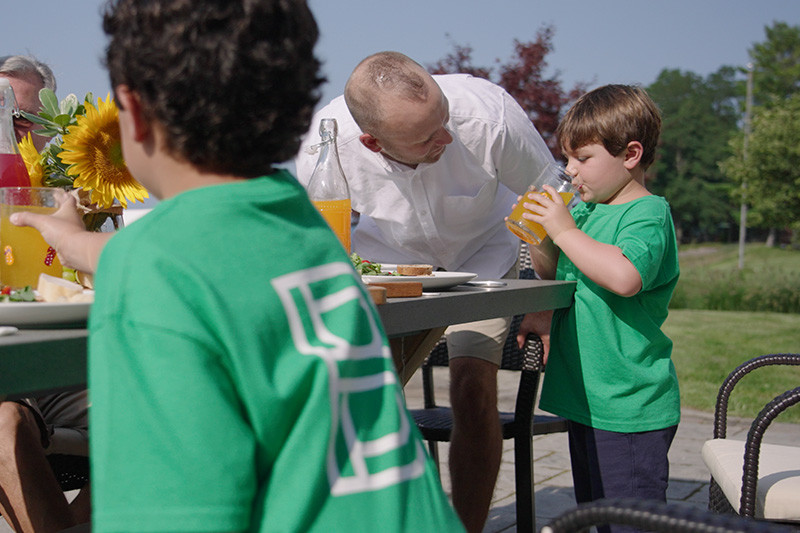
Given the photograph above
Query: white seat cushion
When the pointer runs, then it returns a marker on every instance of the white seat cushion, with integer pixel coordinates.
(778, 487)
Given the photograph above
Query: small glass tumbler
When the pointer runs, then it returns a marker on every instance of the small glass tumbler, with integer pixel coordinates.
(528, 230)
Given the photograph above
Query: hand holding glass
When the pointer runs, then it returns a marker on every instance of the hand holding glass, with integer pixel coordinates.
(528, 230)
(24, 252)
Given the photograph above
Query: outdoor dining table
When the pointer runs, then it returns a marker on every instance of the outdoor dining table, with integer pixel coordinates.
(36, 361)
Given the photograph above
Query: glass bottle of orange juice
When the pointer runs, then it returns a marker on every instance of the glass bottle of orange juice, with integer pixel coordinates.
(327, 187)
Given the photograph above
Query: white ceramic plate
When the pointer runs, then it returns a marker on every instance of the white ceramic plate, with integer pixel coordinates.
(22, 314)
(437, 282)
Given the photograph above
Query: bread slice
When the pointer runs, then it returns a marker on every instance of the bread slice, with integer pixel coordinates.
(415, 270)
(53, 289)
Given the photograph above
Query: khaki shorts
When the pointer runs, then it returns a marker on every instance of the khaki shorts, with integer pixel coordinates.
(63, 420)
(483, 339)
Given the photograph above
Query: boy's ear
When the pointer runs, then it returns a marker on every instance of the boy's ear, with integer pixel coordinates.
(370, 142)
(138, 128)
(633, 154)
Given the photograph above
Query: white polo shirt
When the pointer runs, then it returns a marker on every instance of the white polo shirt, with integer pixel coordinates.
(449, 213)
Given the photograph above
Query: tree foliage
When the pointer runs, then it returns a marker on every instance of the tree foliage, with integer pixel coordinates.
(525, 77)
(771, 167)
(767, 174)
(699, 116)
(460, 61)
(776, 63)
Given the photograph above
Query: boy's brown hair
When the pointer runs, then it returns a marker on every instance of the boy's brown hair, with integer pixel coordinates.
(612, 115)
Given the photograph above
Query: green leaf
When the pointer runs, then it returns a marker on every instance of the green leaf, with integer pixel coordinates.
(34, 118)
(23, 295)
(69, 104)
(49, 101)
(46, 132)
(63, 120)
(58, 180)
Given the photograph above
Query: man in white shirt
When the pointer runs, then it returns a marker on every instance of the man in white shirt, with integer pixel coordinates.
(434, 165)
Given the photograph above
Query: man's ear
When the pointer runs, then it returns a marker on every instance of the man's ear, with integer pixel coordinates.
(370, 142)
(138, 128)
(633, 154)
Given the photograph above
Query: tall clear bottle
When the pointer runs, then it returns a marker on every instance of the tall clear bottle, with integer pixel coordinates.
(12, 169)
(327, 187)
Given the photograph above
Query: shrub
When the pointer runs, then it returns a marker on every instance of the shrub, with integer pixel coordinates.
(770, 282)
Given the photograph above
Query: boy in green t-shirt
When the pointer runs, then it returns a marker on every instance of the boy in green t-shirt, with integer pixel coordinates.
(239, 375)
(609, 370)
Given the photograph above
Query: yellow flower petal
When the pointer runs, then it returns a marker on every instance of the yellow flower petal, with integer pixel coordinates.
(93, 150)
(32, 159)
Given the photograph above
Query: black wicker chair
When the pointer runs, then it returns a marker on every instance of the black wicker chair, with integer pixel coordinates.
(746, 488)
(650, 515)
(436, 422)
(72, 471)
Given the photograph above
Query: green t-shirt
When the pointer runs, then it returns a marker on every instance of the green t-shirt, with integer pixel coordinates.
(240, 378)
(610, 364)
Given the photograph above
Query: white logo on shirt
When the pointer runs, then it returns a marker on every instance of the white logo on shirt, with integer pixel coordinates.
(370, 446)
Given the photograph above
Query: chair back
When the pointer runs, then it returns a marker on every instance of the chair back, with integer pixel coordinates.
(725, 390)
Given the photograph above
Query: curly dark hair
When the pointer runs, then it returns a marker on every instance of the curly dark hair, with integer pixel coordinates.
(233, 83)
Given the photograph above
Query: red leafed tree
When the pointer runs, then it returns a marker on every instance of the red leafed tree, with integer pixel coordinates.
(524, 77)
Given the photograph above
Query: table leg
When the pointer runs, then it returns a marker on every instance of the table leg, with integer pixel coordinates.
(410, 351)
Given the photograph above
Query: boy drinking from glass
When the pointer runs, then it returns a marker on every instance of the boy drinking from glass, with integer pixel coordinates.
(610, 371)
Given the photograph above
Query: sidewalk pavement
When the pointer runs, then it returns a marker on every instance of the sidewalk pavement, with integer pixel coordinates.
(689, 477)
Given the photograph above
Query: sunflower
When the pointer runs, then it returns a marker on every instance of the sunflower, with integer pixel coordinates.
(93, 150)
(32, 159)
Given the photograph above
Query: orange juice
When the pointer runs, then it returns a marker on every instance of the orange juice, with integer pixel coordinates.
(528, 230)
(24, 254)
(337, 214)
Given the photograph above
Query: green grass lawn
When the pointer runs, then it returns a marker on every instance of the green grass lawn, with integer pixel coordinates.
(708, 345)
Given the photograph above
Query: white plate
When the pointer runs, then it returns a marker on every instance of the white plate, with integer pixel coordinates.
(438, 281)
(23, 314)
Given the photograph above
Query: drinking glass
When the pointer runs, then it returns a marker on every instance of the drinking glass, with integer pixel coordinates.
(25, 254)
(528, 230)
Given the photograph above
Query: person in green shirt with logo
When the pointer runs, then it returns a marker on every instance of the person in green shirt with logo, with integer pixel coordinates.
(239, 374)
(609, 369)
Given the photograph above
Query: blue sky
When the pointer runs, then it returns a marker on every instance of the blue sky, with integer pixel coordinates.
(619, 41)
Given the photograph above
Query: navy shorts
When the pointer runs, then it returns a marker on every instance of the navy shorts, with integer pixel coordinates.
(607, 464)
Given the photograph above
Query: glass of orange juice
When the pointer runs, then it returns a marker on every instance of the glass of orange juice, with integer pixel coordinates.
(24, 254)
(528, 230)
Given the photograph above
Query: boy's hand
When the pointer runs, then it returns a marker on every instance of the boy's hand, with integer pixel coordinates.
(538, 323)
(551, 212)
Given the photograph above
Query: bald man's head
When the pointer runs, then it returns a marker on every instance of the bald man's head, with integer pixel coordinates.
(400, 109)
(378, 80)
